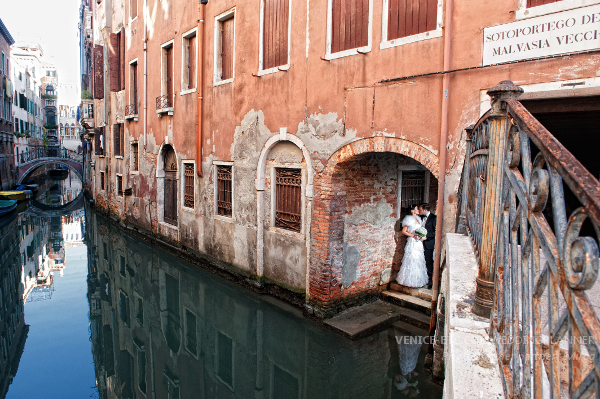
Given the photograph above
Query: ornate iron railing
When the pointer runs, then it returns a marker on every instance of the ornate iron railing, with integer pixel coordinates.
(529, 250)
(88, 109)
(41, 152)
(131, 110)
(164, 101)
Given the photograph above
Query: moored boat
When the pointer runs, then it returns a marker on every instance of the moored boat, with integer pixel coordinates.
(22, 195)
(7, 206)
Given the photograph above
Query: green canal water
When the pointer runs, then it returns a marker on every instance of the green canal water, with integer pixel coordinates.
(90, 311)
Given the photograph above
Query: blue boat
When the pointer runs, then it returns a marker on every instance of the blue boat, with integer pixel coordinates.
(7, 206)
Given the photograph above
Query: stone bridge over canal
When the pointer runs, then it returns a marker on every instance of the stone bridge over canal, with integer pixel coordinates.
(28, 161)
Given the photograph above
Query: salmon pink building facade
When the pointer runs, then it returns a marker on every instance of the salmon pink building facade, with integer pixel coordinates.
(280, 140)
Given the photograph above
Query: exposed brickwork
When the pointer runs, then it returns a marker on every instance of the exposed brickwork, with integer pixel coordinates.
(358, 175)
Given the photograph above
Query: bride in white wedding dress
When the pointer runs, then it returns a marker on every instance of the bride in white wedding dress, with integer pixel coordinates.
(413, 272)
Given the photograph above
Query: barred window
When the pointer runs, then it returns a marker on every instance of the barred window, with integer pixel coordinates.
(135, 160)
(101, 180)
(288, 202)
(188, 197)
(224, 190)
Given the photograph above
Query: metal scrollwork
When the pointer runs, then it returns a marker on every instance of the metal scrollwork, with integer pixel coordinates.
(581, 255)
(539, 186)
(542, 259)
(514, 148)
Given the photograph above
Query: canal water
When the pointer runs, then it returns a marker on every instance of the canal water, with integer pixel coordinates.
(87, 310)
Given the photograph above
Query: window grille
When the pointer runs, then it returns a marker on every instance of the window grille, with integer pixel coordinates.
(224, 193)
(188, 198)
(101, 180)
(288, 204)
(413, 188)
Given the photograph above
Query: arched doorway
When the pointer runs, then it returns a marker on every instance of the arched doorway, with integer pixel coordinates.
(170, 185)
(364, 188)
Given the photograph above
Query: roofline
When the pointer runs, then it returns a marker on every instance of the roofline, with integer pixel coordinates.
(6, 33)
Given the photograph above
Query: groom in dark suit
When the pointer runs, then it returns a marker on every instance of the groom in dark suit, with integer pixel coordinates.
(429, 242)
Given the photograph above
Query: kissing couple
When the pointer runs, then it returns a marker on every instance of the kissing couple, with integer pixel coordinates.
(417, 264)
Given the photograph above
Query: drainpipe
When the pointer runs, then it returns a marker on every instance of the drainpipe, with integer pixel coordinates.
(442, 167)
(145, 75)
(200, 84)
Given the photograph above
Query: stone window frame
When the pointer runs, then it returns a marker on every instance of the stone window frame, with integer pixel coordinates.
(273, 166)
(233, 345)
(182, 185)
(160, 186)
(102, 183)
(523, 12)
(353, 51)
(286, 66)
(216, 192)
(437, 32)
(136, 144)
(137, 297)
(184, 63)
(117, 177)
(163, 71)
(139, 351)
(133, 83)
(411, 168)
(217, 40)
(185, 335)
(272, 366)
(137, 8)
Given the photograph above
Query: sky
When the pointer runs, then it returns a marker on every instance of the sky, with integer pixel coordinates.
(54, 23)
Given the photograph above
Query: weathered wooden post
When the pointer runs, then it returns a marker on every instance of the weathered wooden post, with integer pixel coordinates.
(499, 125)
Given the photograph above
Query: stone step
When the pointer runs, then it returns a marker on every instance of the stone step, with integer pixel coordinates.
(360, 321)
(408, 301)
(416, 319)
(423, 292)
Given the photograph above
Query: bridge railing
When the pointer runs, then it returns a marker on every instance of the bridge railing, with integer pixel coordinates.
(536, 262)
(38, 153)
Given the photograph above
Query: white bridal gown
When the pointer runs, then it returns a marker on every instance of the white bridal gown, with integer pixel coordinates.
(413, 272)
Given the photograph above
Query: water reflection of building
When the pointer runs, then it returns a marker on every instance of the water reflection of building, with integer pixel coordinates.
(13, 330)
(34, 251)
(73, 228)
(162, 329)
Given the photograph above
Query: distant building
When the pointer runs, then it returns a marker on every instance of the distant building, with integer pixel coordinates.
(27, 60)
(50, 95)
(69, 130)
(7, 138)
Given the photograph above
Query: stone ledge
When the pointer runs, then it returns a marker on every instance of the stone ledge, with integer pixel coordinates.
(471, 363)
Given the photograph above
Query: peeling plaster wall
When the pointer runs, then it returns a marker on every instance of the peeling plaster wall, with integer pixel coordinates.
(329, 108)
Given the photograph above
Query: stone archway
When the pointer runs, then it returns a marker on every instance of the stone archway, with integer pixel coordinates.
(331, 250)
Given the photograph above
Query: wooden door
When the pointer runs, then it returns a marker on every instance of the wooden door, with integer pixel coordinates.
(171, 197)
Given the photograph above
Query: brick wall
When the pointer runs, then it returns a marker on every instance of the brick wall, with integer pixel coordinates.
(370, 213)
(354, 210)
